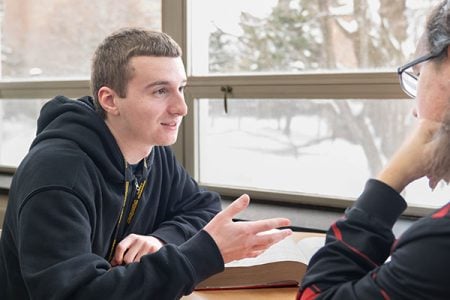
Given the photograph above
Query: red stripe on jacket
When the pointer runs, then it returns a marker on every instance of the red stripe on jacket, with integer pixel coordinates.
(442, 212)
(310, 293)
(338, 235)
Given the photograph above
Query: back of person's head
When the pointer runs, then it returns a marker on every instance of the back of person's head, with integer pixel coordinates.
(437, 34)
(110, 63)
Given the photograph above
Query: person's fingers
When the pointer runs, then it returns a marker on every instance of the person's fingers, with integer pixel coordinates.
(130, 254)
(268, 224)
(260, 243)
(432, 182)
(139, 255)
(256, 253)
(117, 260)
(114, 263)
(426, 130)
(121, 249)
(263, 241)
(118, 255)
(144, 250)
(235, 207)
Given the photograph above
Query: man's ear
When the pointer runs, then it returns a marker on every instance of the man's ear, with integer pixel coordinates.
(107, 99)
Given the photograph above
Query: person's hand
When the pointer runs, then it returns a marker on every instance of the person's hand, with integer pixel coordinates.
(440, 161)
(133, 247)
(237, 240)
(412, 160)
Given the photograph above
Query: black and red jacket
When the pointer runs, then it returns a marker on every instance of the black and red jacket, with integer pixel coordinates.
(352, 264)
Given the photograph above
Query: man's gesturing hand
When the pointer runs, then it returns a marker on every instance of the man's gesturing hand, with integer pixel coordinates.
(238, 240)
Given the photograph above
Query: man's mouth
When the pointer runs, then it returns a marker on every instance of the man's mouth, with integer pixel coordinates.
(170, 124)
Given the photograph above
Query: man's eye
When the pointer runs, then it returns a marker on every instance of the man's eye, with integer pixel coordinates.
(161, 91)
(182, 88)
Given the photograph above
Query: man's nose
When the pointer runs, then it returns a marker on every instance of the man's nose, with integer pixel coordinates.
(179, 105)
(414, 112)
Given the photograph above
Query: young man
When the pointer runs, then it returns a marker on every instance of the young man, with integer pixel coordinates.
(100, 208)
(352, 265)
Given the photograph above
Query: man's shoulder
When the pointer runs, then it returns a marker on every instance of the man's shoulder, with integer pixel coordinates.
(53, 164)
(57, 152)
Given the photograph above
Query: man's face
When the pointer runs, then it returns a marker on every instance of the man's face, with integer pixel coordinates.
(154, 106)
(433, 103)
(433, 89)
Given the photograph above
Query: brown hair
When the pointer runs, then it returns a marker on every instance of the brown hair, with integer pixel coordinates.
(110, 61)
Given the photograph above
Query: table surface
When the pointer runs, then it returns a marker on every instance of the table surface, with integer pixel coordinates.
(242, 294)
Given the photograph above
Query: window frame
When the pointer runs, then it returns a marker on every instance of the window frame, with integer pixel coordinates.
(175, 22)
(372, 86)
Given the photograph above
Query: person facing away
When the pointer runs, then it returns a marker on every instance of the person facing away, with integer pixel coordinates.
(352, 264)
(100, 209)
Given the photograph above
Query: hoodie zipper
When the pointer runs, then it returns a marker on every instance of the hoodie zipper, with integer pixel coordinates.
(139, 191)
(114, 242)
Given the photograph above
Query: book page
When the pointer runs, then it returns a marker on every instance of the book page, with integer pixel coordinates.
(284, 250)
(308, 246)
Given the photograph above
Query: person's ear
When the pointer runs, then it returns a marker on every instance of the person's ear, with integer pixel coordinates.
(107, 99)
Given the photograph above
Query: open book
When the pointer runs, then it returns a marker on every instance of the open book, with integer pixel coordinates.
(283, 264)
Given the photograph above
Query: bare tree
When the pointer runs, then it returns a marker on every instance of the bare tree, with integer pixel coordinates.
(304, 35)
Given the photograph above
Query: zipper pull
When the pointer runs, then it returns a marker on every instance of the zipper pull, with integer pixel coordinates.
(136, 184)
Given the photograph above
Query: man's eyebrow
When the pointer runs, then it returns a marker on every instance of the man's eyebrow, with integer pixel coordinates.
(154, 83)
(162, 82)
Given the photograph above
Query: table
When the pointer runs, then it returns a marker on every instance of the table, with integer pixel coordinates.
(243, 294)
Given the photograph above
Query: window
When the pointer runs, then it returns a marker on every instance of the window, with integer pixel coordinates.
(315, 106)
(306, 146)
(48, 39)
(312, 83)
(297, 36)
(46, 50)
(18, 128)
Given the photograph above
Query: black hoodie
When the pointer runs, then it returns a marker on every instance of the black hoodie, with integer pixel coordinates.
(66, 200)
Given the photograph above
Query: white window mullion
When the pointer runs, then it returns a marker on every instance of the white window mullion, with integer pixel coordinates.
(174, 23)
(314, 86)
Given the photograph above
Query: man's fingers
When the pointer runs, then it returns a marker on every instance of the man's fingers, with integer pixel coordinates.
(267, 239)
(130, 255)
(236, 206)
(268, 224)
(122, 249)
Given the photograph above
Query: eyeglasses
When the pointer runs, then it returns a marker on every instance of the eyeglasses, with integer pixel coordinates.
(408, 79)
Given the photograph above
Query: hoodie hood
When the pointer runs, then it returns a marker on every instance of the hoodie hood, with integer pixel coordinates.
(78, 122)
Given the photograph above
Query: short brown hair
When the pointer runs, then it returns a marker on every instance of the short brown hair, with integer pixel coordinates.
(110, 61)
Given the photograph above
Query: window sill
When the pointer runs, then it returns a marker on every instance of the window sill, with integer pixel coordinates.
(304, 218)
(5, 182)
